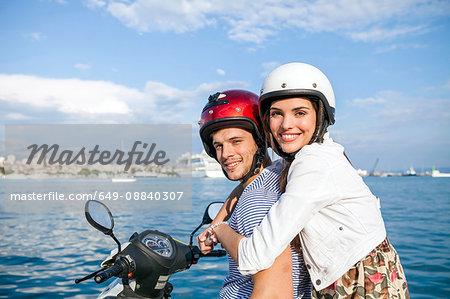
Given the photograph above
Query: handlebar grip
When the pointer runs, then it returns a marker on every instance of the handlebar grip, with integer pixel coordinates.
(216, 253)
(108, 273)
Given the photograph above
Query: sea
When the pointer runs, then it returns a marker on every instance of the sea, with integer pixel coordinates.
(42, 253)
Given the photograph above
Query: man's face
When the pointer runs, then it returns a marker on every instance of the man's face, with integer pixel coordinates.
(235, 149)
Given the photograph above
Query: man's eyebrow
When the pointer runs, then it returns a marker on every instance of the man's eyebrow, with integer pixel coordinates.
(231, 138)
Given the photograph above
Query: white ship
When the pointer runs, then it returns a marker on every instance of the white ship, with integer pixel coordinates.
(410, 172)
(437, 174)
(212, 167)
(200, 165)
(123, 179)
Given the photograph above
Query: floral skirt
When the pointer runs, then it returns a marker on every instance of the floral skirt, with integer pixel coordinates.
(377, 275)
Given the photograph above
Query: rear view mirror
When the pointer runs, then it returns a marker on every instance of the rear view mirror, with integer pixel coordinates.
(210, 213)
(99, 216)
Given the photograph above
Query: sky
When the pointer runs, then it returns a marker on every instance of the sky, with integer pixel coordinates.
(156, 62)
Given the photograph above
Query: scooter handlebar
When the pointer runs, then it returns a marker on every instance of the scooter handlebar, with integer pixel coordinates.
(115, 270)
(216, 253)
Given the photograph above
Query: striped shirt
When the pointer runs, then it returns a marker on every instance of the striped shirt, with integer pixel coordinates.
(252, 206)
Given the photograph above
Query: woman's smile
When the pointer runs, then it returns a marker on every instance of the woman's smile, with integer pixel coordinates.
(289, 137)
(292, 123)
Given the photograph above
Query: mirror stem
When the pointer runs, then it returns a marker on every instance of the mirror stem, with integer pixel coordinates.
(192, 234)
(117, 241)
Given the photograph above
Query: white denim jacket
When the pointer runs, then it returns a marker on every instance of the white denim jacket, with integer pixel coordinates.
(338, 218)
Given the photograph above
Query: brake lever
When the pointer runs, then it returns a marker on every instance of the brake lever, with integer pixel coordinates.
(89, 276)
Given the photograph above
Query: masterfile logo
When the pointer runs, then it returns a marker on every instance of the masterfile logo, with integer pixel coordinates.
(133, 167)
(91, 157)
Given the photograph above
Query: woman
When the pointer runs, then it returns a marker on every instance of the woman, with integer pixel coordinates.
(325, 202)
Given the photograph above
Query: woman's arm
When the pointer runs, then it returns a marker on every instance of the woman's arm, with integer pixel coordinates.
(309, 189)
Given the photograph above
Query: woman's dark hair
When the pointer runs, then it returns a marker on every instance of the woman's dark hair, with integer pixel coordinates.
(322, 124)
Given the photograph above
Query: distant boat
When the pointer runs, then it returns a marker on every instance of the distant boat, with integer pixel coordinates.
(385, 174)
(203, 165)
(212, 168)
(200, 165)
(124, 179)
(437, 174)
(410, 172)
(197, 166)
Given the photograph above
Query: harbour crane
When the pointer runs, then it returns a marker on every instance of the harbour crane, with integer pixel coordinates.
(372, 172)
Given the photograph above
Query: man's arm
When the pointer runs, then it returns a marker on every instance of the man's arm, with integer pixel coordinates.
(229, 204)
(275, 282)
(229, 240)
(224, 214)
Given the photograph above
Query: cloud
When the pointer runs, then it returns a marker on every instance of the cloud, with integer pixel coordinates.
(378, 34)
(395, 127)
(393, 47)
(176, 16)
(57, 1)
(221, 72)
(366, 102)
(75, 100)
(71, 96)
(35, 36)
(17, 116)
(94, 3)
(389, 112)
(256, 21)
(243, 32)
(171, 103)
(82, 66)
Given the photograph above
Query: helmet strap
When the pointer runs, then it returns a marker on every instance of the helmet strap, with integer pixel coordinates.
(256, 164)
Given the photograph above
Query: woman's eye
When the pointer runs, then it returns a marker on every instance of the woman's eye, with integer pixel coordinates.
(300, 113)
(274, 113)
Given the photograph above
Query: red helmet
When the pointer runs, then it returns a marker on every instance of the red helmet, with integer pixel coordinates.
(231, 108)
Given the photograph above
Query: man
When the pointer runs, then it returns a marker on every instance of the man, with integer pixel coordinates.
(230, 132)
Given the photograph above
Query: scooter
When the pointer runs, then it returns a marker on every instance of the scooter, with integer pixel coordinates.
(144, 265)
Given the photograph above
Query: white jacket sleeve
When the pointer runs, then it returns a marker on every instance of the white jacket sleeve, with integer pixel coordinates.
(310, 187)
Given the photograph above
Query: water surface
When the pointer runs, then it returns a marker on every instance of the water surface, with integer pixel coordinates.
(41, 254)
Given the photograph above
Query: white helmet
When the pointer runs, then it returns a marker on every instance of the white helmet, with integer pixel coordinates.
(297, 79)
